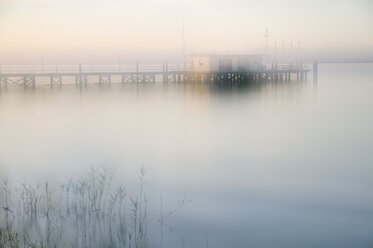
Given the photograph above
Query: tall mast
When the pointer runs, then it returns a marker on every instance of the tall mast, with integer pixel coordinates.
(266, 35)
(184, 53)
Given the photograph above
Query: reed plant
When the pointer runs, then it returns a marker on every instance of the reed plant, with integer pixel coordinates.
(84, 213)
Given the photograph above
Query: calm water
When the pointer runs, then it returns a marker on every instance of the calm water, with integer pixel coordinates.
(268, 165)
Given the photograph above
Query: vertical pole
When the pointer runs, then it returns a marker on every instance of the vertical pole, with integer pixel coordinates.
(119, 62)
(42, 64)
(178, 73)
(80, 75)
(164, 72)
(122, 77)
(167, 72)
(51, 81)
(266, 36)
(298, 71)
(137, 72)
(33, 81)
(315, 71)
(184, 53)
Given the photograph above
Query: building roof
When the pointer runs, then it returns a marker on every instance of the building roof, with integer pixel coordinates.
(226, 55)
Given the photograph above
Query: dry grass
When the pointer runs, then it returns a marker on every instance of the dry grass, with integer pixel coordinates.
(79, 214)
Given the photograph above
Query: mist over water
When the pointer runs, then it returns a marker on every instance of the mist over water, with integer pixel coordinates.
(265, 164)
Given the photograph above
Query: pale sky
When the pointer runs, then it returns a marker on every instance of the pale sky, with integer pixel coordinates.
(101, 31)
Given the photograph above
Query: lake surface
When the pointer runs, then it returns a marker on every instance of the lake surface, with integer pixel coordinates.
(267, 165)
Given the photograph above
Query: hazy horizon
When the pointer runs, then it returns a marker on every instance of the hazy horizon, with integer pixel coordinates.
(65, 32)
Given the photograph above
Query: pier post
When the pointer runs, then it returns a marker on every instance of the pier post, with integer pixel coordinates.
(178, 73)
(315, 71)
(163, 72)
(137, 72)
(167, 71)
(33, 82)
(5, 82)
(298, 74)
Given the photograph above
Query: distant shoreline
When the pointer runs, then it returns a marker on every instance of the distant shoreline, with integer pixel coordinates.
(345, 62)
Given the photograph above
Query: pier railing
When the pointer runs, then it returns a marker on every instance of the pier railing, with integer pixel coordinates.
(40, 69)
(141, 73)
(288, 67)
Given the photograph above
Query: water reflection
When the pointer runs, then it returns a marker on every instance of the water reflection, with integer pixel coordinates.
(266, 164)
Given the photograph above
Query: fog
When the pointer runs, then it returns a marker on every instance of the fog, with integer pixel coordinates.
(110, 137)
(148, 30)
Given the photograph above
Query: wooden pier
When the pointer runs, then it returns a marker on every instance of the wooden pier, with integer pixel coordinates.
(82, 75)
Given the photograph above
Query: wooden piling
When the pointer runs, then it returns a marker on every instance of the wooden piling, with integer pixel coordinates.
(315, 71)
(137, 72)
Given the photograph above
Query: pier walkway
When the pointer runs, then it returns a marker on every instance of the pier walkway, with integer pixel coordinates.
(82, 75)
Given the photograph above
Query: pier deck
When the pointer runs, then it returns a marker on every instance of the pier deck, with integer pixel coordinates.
(27, 75)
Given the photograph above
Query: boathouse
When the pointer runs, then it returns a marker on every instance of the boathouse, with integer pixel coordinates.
(205, 63)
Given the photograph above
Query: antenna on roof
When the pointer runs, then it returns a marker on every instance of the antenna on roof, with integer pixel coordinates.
(184, 54)
(266, 35)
